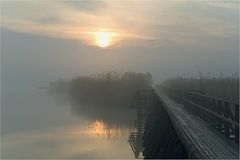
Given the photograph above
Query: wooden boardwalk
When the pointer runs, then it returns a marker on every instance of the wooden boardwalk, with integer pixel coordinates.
(198, 137)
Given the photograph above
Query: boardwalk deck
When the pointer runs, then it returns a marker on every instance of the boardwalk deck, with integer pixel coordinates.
(199, 139)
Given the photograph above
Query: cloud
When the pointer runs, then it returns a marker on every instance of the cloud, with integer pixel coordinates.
(50, 20)
(232, 4)
(177, 21)
(87, 6)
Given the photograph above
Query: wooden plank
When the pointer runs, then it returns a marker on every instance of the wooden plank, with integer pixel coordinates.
(193, 149)
(210, 132)
(196, 137)
(204, 140)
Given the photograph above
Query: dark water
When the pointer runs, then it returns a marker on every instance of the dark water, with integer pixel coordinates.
(35, 125)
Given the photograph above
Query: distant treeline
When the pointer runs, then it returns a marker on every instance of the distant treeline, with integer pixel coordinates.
(222, 87)
(104, 89)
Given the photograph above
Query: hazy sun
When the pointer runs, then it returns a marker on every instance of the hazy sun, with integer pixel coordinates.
(104, 39)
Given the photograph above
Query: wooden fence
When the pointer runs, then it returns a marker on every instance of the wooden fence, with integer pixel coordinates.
(218, 113)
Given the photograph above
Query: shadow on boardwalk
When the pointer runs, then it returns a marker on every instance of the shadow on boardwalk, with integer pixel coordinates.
(155, 137)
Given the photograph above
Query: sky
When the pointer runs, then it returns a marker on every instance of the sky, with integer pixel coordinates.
(165, 38)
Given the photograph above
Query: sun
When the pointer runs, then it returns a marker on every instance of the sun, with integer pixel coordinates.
(104, 39)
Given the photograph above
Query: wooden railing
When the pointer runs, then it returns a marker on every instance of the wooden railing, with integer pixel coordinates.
(220, 114)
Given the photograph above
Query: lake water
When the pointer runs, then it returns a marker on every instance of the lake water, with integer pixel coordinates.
(35, 125)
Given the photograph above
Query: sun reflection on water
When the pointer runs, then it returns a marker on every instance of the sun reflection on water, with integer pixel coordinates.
(109, 132)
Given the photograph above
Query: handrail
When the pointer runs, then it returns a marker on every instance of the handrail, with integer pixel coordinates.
(199, 93)
(221, 114)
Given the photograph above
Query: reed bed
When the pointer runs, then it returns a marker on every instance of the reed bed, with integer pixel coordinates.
(225, 87)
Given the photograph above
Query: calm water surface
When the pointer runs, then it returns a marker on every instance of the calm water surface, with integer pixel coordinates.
(35, 125)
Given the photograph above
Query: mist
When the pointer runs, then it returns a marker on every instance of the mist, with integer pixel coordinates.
(75, 58)
(74, 67)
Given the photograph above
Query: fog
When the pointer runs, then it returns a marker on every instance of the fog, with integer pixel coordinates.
(35, 59)
(38, 48)
(30, 61)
